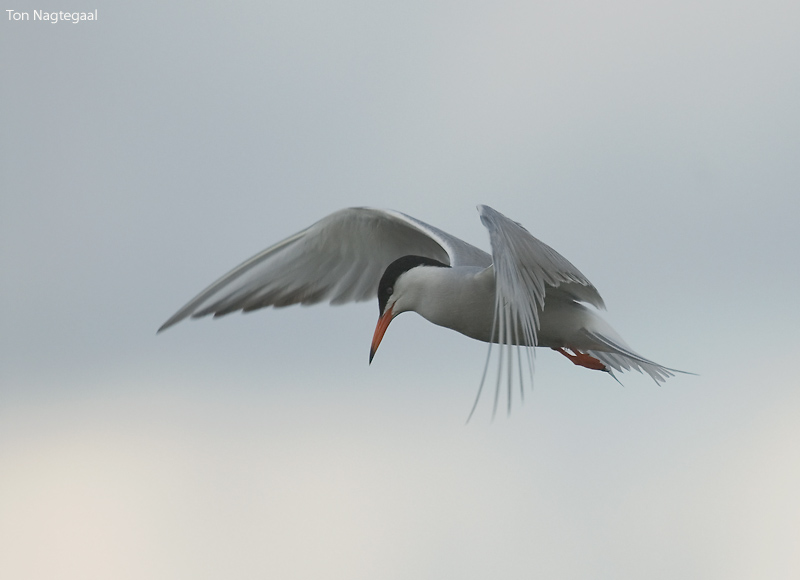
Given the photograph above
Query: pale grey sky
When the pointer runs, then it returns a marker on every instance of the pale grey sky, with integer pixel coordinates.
(143, 155)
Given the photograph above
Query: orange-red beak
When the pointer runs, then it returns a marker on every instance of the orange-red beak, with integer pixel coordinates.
(380, 330)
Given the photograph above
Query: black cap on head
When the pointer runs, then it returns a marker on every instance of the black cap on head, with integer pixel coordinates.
(393, 271)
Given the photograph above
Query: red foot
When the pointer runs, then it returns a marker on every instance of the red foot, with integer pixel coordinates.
(582, 359)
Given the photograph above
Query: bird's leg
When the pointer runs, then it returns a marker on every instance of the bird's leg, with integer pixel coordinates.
(583, 359)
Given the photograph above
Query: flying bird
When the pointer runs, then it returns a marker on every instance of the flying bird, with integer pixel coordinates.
(522, 294)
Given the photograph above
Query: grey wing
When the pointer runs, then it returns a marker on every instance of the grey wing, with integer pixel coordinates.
(341, 258)
(461, 253)
(525, 270)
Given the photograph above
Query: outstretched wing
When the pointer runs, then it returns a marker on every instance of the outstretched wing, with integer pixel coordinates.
(525, 270)
(339, 259)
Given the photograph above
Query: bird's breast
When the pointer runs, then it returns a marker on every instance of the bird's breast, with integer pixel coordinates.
(461, 299)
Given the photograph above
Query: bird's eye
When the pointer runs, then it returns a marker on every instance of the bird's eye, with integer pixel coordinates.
(389, 290)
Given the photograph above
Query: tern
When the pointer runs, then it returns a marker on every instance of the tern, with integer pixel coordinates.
(523, 294)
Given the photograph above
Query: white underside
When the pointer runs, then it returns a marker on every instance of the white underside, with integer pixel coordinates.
(463, 299)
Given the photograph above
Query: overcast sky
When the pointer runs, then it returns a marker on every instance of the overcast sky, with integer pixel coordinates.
(655, 145)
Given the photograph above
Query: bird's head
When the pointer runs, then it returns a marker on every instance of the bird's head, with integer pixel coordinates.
(396, 294)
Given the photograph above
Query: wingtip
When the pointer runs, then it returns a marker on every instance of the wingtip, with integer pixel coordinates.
(166, 325)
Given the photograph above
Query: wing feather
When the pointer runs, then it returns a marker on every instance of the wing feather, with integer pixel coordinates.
(525, 270)
(341, 258)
